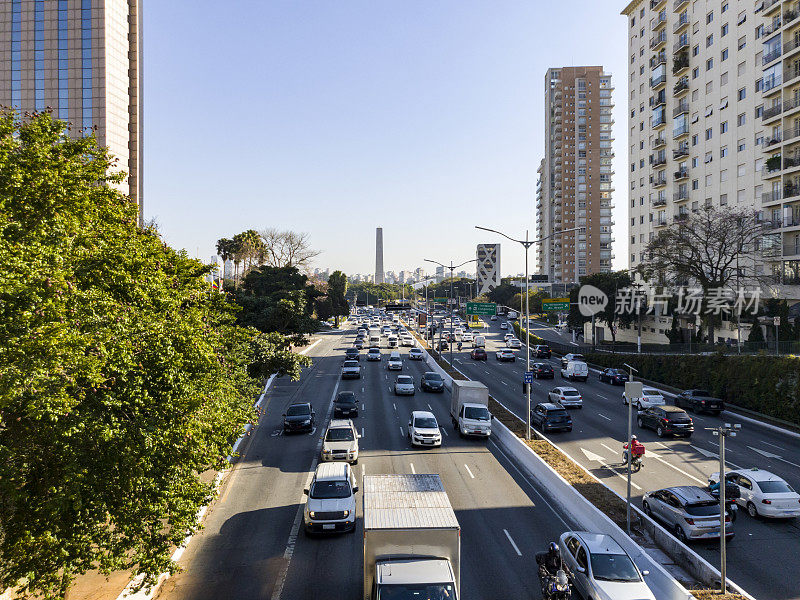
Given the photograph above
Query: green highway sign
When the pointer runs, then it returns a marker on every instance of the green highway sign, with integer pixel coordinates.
(439, 300)
(482, 308)
(553, 304)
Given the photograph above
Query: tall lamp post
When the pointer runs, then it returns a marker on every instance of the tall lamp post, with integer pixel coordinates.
(452, 268)
(632, 390)
(724, 431)
(527, 243)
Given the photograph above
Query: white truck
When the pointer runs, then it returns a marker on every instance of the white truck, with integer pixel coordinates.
(469, 409)
(412, 540)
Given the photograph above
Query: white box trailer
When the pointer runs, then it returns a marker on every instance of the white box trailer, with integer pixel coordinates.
(412, 540)
(469, 409)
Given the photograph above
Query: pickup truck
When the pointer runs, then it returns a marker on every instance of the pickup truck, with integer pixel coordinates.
(699, 400)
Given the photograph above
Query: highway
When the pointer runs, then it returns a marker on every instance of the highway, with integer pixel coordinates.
(764, 557)
(252, 546)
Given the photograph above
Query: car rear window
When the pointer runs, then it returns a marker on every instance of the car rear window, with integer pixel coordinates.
(701, 393)
(702, 509)
(557, 412)
(774, 487)
(570, 393)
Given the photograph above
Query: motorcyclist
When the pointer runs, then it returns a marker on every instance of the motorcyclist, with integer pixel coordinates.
(637, 448)
(459, 346)
(550, 562)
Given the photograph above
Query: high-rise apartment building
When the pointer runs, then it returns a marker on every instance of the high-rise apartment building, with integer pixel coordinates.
(82, 59)
(696, 120)
(576, 174)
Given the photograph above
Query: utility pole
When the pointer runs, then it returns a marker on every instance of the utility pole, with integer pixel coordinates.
(631, 391)
(723, 432)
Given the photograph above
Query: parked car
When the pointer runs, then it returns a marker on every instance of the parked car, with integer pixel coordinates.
(566, 397)
(542, 371)
(699, 400)
(416, 354)
(340, 442)
(374, 354)
(568, 357)
(298, 417)
(395, 362)
(650, 397)
(688, 511)
(548, 416)
(613, 376)
(404, 385)
(601, 568)
(478, 354)
(331, 504)
(762, 493)
(431, 382)
(542, 351)
(505, 355)
(575, 370)
(351, 370)
(423, 430)
(345, 405)
(666, 420)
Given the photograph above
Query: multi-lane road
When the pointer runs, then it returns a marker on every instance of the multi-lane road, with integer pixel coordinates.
(764, 557)
(252, 546)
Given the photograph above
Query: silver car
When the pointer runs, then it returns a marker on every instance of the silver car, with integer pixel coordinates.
(404, 385)
(340, 442)
(690, 512)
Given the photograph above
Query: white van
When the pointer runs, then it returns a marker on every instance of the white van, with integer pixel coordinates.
(374, 341)
(575, 370)
(331, 504)
(480, 341)
(392, 341)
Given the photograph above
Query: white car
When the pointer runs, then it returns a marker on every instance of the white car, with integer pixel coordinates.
(395, 362)
(514, 343)
(423, 430)
(508, 336)
(601, 569)
(568, 357)
(331, 504)
(493, 318)
(566, 397)
(650, 397)
(416, 354)
(505, 355)
(467, 336)
(404, 385)
(406, 340)
(340, 442)
(503, 325)
(762, 493)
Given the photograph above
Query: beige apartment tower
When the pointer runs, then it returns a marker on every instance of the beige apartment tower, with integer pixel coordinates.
(82, 60)
(575, 177)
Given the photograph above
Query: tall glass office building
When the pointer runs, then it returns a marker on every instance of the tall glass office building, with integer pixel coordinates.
(80, 59)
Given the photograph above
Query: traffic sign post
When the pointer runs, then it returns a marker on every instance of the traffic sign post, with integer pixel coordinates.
(486, 309)
(528, 377)
(555, 304)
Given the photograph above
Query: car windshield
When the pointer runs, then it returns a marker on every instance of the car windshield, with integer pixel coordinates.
(339, 434)
(298, 410)
(775, 487)
(614, 567)
(425, 423)
(433, 377)
(424, 591)
(325, 490)
(702, 509)
(404, 379)
(477, 413)
(570, 393)
(346, 399)
(559, 412)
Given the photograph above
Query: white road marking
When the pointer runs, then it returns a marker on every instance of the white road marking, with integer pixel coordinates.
(603, 397)
(487, 372)
(613, 451)
(402, 433)
(679, 470)
(503, 382)
(362, 406)
(510, 539)
(603, 417)
(413, 470)
(362, 432)
(592, 456)
(362, 389)
(775, 456)
(468, 471)
(773, 445)
(429, 406)
(708, 454)
(310, 347)
(395, 405)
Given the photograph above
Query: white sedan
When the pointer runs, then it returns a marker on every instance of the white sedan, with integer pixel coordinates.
(650, 397)
(503, 325)
(762, 493)
(404, 385)
(514, 343)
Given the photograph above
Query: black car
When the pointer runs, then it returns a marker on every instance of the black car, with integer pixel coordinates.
(478, 354)
(432, 382)
(549, 416)
(345, 405)
(666, 420)
(698, 400)
(542, 371)
(614, 376)
(542, 351)
(298, 417)
(352, 354)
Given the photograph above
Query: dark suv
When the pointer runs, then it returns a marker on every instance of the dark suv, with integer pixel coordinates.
(698, 400)
(542, 351)
(666, 420)
(549, 416)
(432, 382)
(298, 417)
(542, 371)
(478, 354)
(345, 405)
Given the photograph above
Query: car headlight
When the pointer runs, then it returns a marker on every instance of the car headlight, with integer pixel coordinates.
(312, 514)
(307, 422)
(346, 513)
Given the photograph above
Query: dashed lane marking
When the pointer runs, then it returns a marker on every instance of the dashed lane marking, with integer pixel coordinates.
(510, 539)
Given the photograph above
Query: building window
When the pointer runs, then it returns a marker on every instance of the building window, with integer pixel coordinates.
(86, 63)
(723, 199)
(740, 171)
(742, 42)
(695, 50)
(695, 73)
(724, 30)
(709, 17)
(724, 6)
(740, 146)
(709, 40)
(63, 60)
(723, 127)
(740, 120)
(741, 94)
(16, 54)
(759, 111)
(709, 64)
(723, 152)
(695, 140)
(38, 54)
(725, 54)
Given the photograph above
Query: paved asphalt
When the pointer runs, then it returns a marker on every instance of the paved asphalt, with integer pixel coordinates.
(764, 557)
(250, 547)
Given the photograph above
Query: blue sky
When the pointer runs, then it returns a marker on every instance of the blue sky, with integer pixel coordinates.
(422, 117)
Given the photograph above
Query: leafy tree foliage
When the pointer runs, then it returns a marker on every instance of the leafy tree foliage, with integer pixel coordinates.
(503, 294)
(610, 283)
(122, 375)
(337, 288)
(756, 334)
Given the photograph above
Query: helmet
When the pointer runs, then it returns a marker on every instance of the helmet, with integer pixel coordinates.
(633, 437)
(553, 548)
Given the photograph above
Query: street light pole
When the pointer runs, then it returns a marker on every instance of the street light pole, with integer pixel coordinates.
(630, 453)
(723, 432)
(527, 243)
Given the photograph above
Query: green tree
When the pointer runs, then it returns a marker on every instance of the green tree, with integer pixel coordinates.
(123, 376)
(503, 293)
(674, 334)
(610, 283)
(337, 288)
(756, 335)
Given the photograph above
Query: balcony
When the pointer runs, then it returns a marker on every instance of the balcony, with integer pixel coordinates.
(683, 107)
(658, 40)
(681, 86)
(681, 217)
(769, 6)
(680, 196)
(681, 174)
(658, 81)
(680, 63)
(659, 161)
(791, 161)
(790, 134)
(655, 4)
(659, 122)
(660, 202)
(660, 181)
(681, 151)
(772, 28)
(658, 100)
(790, 16)
(791, 249)
(681, 44)
(770, 56)
(683, 21)
(773, 196)
(660, 222)
(772, 83)
(771, 141)
(658, 59)
(791, 74)
(659, 142)
(659, 21)
(678, 4)
(680, 132)
(772, 111)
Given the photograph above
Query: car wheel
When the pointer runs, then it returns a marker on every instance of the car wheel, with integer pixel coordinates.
(640, 422)
(647, 510)
(752, 510)
(680, 534)
(659, 431)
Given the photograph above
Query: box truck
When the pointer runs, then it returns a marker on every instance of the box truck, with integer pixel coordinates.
(469, 409)
(412, 540)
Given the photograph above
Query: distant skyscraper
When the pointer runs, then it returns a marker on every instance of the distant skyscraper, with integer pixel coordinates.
(379, 255)
(488, 267)
(80, 58)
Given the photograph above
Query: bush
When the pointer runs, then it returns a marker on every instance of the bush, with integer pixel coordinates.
(766, 384)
